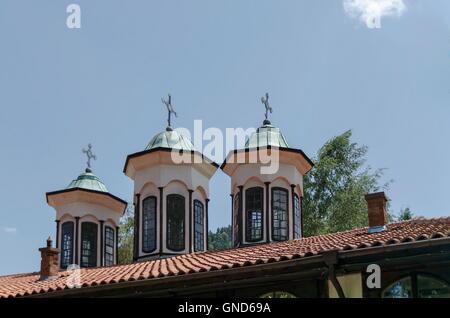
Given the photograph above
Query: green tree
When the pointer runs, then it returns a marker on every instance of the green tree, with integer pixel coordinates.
(126, 235)
(334, 189)
(405, 214)
(221, 239)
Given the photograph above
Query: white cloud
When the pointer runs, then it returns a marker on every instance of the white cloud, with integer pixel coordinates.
(371, 11)
(10, 229)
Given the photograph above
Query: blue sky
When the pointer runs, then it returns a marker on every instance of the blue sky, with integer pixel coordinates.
(326, 73)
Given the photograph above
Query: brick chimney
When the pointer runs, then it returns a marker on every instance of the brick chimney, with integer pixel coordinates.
(49, 261)
(378, 219)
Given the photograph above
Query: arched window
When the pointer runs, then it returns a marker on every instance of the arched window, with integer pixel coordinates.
(149, 224)
(67, 244)
(297, 217)
(254, 214)
(236, 206)
(175, 222)
(199, 241)
(109, 246)
(417, 286)
(89, 244)
(279, 214)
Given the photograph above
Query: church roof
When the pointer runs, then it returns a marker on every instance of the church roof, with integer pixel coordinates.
(406, 234)
(170, 139)
(267, 135)
(88, 181)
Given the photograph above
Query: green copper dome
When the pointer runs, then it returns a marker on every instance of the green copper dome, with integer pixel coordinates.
(88, 181)
(267, 135)
(170, 139)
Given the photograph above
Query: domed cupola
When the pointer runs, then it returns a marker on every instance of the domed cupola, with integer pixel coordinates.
(171, 195)
(87, 220)
(266, 186)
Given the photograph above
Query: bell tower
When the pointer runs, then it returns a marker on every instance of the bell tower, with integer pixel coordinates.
(171, 195)
(266, 203)
(87, 220)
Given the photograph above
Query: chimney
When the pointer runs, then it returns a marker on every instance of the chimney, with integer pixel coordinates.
(378, 219)
(49, 261)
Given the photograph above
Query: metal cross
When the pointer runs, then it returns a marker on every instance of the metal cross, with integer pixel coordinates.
(170, 110)
(265, 102)
(89, 154)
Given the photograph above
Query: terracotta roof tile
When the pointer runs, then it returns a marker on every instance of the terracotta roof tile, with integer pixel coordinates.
(398, 233)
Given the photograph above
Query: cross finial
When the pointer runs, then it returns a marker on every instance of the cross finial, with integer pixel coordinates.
(265, 102)
(90, 155)
(170, 110)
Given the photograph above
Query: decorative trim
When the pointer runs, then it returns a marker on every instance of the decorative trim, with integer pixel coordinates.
(240, 216)
(298, 151)
(301, 217)
(77, 236)
(206, 223)
(161, 207)
(267, 208)
(292, 212)
(166, 149)
(57, 233)
(137, 215)
(191, 227)
(117, 245)
(89, 191)
(102, 242)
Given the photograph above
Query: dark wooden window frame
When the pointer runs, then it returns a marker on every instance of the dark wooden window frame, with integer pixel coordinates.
(109, 242)
(414, 282)
(297, 217)
(149, 249)
(249, 217)
(65, 249)
(92, 262)
(182, 220)
(286, 192)
(199, 237)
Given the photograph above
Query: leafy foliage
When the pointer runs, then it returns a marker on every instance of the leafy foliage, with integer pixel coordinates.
(405, 214)
(334, 189)
(221, 239)
(126, 231)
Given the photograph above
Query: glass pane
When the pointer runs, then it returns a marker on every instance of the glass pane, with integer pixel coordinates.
(279, 214)
(400, 289)
(149, 224)
(88, 244)
(175, 222)
(67, 244)
(198, 226)
(253, 203)
(432, 288)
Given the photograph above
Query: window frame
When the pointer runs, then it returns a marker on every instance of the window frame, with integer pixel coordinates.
(272, 232)
(249, 218)
(182, 218)
(71, 249)
(236, 224)
(297, 217)
(93, 250)
(199, 236)
(155, 224)
(414, 282)
(106, 239)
